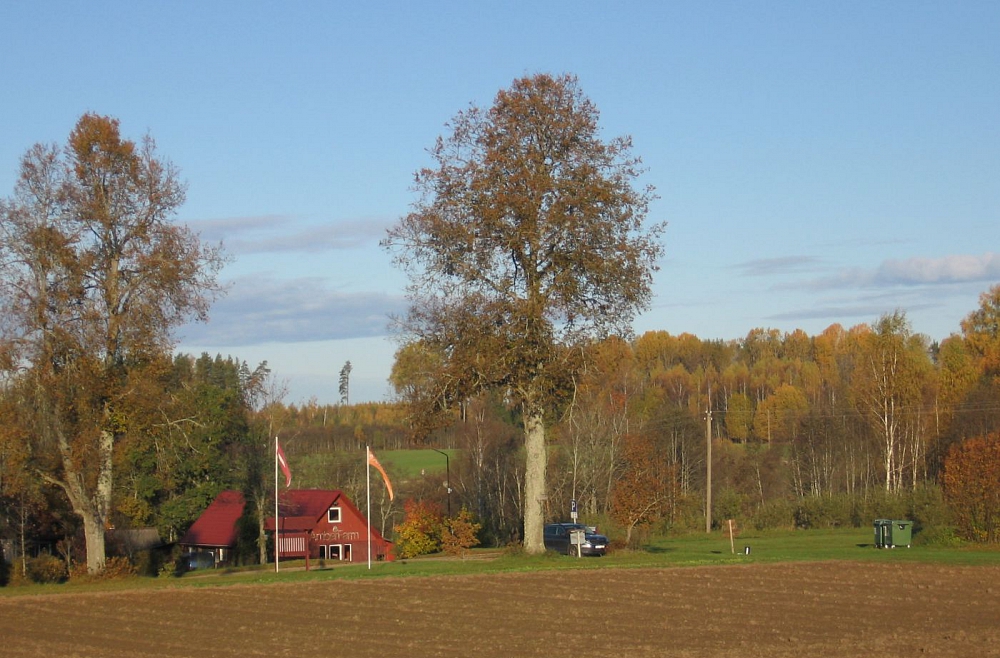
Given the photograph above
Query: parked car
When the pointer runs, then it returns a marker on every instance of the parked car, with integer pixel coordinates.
(558, 538)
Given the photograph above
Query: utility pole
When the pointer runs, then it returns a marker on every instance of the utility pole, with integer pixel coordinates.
(708, 465)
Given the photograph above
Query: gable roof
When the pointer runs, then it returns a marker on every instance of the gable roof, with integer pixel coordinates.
(301, 509)
(311, 503)
(216, 527)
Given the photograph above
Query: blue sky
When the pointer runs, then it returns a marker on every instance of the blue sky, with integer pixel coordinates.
(817, 163)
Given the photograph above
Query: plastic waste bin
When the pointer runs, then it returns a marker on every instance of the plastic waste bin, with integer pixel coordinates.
(890, 533)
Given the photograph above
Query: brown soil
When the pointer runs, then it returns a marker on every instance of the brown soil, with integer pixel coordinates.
(825, 609)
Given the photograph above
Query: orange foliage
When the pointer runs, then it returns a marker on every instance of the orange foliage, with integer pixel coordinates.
(646, 488)
(972, 487)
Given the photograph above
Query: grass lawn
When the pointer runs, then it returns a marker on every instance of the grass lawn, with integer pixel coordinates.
(852, 544)
(414, 463)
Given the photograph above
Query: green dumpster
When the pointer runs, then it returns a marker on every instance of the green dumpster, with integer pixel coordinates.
(890, 533)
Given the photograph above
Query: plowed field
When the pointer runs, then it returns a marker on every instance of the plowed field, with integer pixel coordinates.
(825, 609)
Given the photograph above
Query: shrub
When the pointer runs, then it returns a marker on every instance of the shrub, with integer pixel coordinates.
(514, 550)
(727, 505)
(774, 514)
(929, 510)
(824, 512)
(687, 514)
(941, 535)
(114, 568)
(879, 504)
(459, 534)
(47, 569)
(420, 531)
(117, 567)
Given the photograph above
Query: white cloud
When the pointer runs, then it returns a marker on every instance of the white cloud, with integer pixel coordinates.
(958, 268)
(950, 269)
(261, 310)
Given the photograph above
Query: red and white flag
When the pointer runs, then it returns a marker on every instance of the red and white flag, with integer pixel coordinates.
(378, 467)
(279, 455)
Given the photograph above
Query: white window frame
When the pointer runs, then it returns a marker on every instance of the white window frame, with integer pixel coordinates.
(334, 511)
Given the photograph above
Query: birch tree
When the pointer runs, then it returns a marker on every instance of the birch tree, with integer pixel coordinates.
(887, 387)
(93, 278)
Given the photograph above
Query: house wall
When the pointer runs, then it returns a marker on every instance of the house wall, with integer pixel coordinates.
(346, 539)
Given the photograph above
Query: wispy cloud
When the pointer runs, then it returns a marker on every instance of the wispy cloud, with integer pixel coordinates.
(958, 268)
(950, 269)
(860, 311)
(259, 310)
(770, 266)
(266, 234)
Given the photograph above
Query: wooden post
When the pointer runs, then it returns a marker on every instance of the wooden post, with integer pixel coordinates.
(732, 544)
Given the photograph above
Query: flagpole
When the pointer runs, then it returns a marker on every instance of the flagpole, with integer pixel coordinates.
(275, 503)
(368, 483)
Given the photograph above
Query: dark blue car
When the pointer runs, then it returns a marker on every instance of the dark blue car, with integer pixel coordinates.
(558, 537)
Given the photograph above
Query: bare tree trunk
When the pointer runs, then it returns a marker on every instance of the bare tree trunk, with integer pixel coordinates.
(534, 480)
(262, 552)
(92, 510)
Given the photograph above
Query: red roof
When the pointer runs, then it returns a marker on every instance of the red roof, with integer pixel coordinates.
(216, 527)
(300, 509)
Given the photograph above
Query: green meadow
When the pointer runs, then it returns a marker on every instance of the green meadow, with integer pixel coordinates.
(854, 544)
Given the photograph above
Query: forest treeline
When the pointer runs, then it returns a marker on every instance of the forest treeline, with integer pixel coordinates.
(832, 429)
(836, 428)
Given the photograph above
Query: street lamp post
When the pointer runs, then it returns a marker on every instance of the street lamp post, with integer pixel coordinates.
(447, 483)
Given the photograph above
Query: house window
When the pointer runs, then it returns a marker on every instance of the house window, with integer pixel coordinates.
(333, 515)
(334, 551)
(322, 551)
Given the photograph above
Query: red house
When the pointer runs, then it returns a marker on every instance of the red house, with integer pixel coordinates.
(215, 530)
(314, 523)
(325, 525)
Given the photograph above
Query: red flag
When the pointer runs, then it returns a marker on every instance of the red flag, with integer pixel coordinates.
(378, 467)
(279, 454)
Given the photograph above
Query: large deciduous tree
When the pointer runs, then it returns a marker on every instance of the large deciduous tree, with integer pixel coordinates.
(529, 236)
(93, 278)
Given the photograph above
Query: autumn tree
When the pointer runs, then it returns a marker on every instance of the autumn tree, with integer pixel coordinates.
(459, 533)
(887, 388)
(971, 474)
(94, 276)
(528, 238)
(645, 488)
(780, 415)
(977, 410)
(981, 330)
(738, 417)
